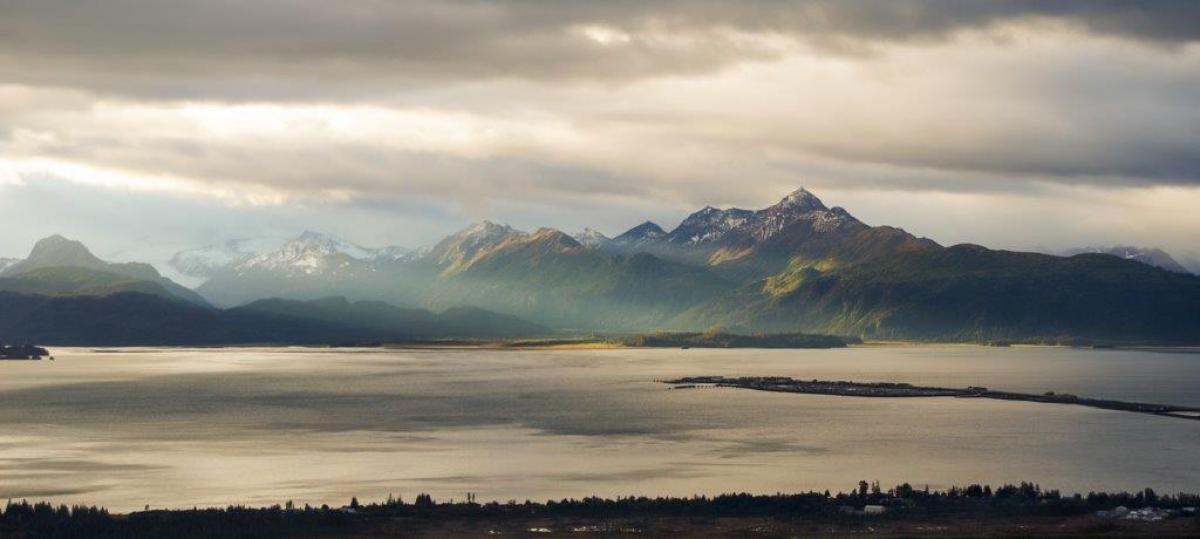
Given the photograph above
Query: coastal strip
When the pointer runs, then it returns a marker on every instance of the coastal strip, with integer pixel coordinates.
(783, 384)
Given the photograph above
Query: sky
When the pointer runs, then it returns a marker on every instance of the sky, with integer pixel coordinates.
(142, 127)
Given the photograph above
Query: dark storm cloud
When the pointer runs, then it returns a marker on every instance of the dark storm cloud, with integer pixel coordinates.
(589, 113)
(234, 50)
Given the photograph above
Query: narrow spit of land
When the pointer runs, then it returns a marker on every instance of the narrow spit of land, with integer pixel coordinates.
(897, 390)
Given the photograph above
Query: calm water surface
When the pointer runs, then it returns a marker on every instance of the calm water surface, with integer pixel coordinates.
(180, 427)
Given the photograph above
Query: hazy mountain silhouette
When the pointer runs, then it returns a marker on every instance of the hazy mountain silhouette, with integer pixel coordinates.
(797, 265)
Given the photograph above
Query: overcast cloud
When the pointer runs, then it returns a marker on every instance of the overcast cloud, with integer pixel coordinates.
(1078, 120)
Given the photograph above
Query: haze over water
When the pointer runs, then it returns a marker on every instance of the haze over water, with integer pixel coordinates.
(183, 427)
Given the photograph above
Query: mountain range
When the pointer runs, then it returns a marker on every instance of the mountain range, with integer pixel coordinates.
(62, 294)
(797, 265)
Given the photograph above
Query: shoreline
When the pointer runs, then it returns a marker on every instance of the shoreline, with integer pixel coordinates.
(902, 511)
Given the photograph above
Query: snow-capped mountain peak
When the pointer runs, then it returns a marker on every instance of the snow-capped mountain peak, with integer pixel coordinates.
(800, 201)
(711, 226)
(708, 225)
(315, 252)
(797, 206)
(591, 238)
(309, 253)
(327, 244)
(204, 262)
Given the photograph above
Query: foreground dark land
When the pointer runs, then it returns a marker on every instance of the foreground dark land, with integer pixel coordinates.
(904, 511)
(899, 390)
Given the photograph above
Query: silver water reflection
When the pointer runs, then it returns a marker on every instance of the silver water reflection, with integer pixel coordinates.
(177, 428)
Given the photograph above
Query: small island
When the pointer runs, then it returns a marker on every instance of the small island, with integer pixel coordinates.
(22, 351)
(900, 390)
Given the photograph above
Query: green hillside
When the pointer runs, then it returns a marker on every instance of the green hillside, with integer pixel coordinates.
(552, 280)
(66, 281)
(135, 318)
(969, 292)
(60, 266)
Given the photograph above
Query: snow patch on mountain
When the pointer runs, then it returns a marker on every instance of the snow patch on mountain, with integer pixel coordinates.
(799, 201)
(591, 238)
(315, 253)
(317, 242)
(396, 253)
(798, 206)
(711, 225)
(309, 253)
(204, 262)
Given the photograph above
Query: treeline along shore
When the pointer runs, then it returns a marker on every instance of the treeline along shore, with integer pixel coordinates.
(899, 390)
(1025, 509)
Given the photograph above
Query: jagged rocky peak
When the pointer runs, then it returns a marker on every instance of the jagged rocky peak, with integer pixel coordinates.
(486, 230)
(801, 201)
(709, 224)
(646, 231)
(555, 237)
(712, 226)
(472, 241)
(800, 205)
(712, 216)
